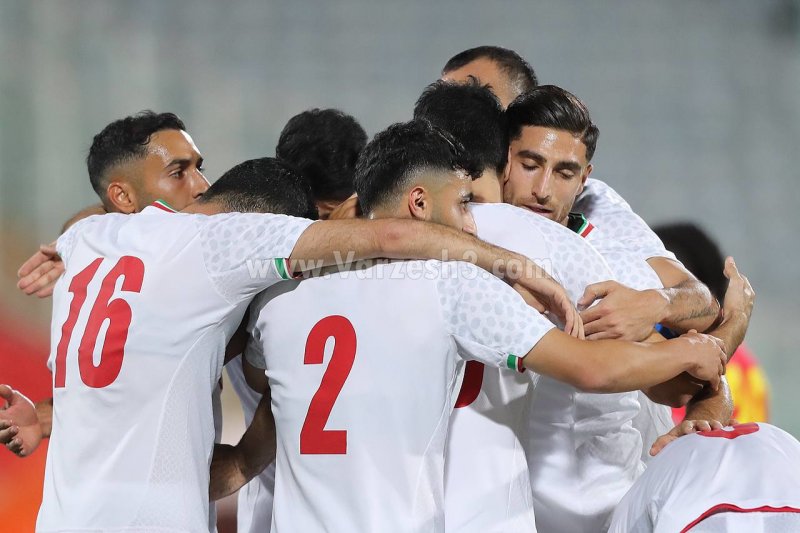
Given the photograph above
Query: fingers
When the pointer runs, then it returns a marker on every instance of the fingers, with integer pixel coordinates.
(730, 269)
(7, 431)
(592, 314)
(47, 252)
(594, 292)
(16, 447)
(41, 279)
(6, 393)
(600, 336)
(660, 443)
(594, 327)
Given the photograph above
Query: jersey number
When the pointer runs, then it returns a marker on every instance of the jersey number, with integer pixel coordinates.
(118, 314)
(314, 438)
(737, 431)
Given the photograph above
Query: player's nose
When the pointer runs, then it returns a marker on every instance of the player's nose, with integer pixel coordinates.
(199, 184)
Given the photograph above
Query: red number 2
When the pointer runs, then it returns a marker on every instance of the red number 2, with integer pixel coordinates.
(117, 312)
(314, 438)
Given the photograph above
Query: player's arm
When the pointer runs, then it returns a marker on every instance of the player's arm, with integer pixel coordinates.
(687, 302)
(233, 466)
(337, 241)
(624, 313)
(594, 366)
(38, 275)
(620, 366)
(710, 409)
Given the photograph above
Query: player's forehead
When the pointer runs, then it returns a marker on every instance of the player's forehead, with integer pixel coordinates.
(550, 143)
(172, 145)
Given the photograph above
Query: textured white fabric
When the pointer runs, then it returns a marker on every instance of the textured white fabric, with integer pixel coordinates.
(406, 323)
(133, 455)
(607, 210)
(254, 503)
(702, 471)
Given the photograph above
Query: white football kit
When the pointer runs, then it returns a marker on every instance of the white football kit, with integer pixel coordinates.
(254, 502)
(625, 241)
(632, 270)
(606, 209)
(492, 491)
(740, 479)
(363, 368)
(141, 318)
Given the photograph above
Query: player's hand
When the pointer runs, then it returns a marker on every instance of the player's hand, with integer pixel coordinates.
(347, 209)
(38, 275)
(20, 430)
(707, 356)
(547, 296)
(622, 313)
(687, 427)
(740, 296)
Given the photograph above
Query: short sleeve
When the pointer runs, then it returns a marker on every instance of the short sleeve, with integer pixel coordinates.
(245, 253)
(486, 318)
(254, 351)
(621, 227)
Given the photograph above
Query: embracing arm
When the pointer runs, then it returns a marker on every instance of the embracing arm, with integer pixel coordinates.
(685, 302)
(233, 466)
(619, 366)
(343, 241)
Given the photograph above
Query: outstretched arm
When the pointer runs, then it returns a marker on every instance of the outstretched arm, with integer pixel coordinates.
(619, 366)
(233, 466)
(345, 241)
(686, 301)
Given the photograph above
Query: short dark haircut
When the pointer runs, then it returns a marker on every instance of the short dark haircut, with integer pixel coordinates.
(402, 151)
(266, 185)
(698, 252)
(124, 140)
(549, 106)
(472, 114)
(520, 73)
(324, 145)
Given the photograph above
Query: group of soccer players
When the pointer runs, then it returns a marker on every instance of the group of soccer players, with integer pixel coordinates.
(480, 337)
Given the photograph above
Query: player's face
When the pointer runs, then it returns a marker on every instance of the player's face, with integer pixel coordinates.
(446, 201)
(488, 73)
(546, 171)
(172, 171)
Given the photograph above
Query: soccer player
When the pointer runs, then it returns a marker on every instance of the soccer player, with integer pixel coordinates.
(324, 145)
(375, 417)
(473, 115)
(132, 162)
(552, 140)
(740, 479)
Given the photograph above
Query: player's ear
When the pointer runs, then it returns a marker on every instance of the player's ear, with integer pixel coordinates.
(585, 176)
(121, 197)
(418, 203)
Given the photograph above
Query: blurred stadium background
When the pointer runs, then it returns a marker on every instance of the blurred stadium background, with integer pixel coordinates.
(697, 104)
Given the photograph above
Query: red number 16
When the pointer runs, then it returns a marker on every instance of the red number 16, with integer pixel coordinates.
(117, 312)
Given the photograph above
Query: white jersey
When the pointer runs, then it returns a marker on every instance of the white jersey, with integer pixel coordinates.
(363, 368)
(740, 479)
(610, 212)
(254, 502)
(583, 452)
(632, 270)
(552, 410)
(133, 428)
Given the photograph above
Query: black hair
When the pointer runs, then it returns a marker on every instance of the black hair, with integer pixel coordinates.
(698, 252)
(520, 73)
(124, 140)
(400, 152)
(266, 185)
(549, 106)
(472, 114)
(324, 145)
